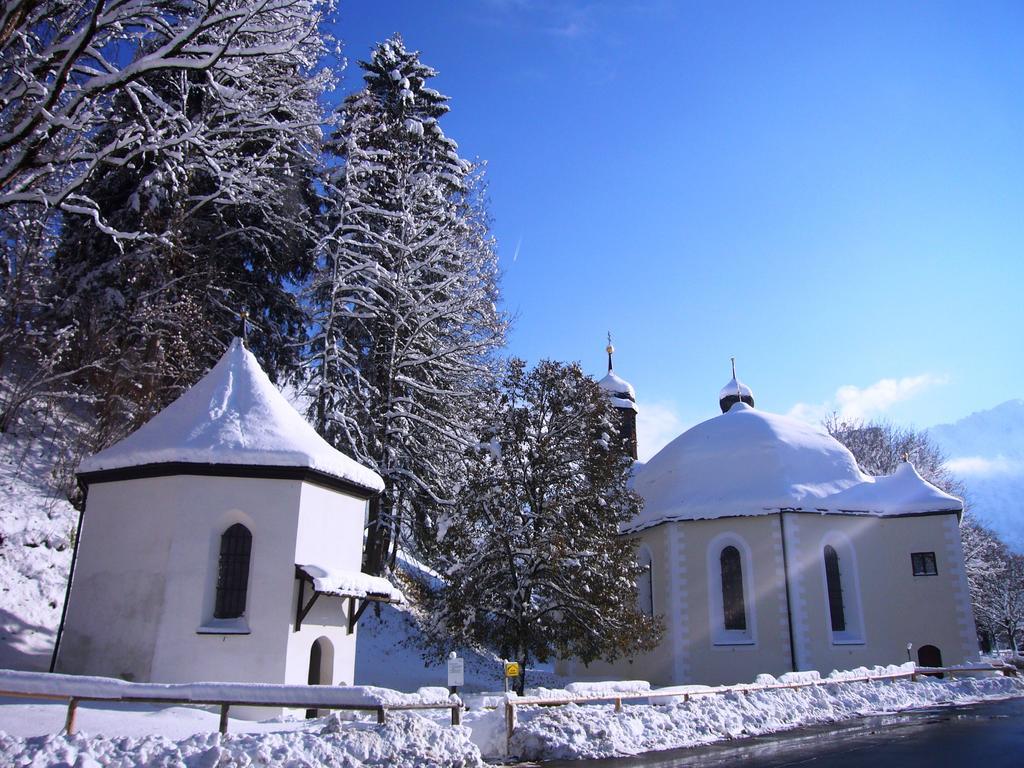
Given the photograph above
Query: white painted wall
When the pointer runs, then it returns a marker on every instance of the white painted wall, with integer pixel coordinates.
(886, 605)
(330, 534)
(146, 575)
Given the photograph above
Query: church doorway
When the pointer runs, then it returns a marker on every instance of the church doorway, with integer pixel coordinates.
(929, 656)
(321, 666)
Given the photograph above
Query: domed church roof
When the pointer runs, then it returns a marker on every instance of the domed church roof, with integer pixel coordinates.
(749, 462)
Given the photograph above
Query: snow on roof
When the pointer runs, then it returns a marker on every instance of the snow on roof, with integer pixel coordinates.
(612, 383)
(750, 462)
(621, 402)
(902, 492)
(352, 584)
(730, 389)
(233, 415)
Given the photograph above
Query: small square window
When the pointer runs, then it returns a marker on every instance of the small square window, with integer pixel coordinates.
(924, 563)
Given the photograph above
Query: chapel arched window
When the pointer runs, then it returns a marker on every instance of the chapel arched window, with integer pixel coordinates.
(834, 582)
(735, 613)
(645, 582)
(233, 572)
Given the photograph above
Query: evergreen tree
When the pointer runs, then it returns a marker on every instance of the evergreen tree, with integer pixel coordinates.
(403, 299)
(533, 562)
(222, 222)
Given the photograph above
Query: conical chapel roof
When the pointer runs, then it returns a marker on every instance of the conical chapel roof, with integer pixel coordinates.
(234, 415)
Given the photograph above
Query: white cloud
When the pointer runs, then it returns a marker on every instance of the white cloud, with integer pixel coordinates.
(980, 466)
(656, 425)
(852, 402)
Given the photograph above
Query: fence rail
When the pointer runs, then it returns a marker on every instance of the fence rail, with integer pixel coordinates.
(455, 705)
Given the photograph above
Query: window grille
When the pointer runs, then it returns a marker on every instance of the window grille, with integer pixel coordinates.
(835, 590)
(732, 589)
(645, 583)
(233, 572)
(923, 564)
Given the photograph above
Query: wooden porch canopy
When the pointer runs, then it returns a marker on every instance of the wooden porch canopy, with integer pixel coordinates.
(359, 589)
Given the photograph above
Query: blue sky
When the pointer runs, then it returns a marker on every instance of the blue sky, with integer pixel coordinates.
(831, 192)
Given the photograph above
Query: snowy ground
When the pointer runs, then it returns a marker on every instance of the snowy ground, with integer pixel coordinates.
(112, 734)
(578, 732)
(36, 529)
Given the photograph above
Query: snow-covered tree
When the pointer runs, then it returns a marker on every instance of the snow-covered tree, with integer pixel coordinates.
(996, 577)
(64, 64)
(532, 559)
(403, 299)
(221, 220)
(879, 447)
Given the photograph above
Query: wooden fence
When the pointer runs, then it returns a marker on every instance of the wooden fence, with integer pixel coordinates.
(652, 697)
(455, 705)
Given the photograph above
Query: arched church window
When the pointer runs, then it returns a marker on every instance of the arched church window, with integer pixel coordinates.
(233, 572)
(645, 582)
(733, 607)
(834, 583)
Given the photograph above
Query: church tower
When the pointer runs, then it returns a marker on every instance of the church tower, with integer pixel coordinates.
(623, 399)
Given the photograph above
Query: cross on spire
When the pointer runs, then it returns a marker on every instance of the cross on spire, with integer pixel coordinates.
(610, 350)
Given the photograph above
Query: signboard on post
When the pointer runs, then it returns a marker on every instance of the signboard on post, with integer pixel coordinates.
(456, 671)
(511, 669)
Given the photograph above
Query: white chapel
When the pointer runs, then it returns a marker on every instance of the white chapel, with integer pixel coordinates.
(221, 541)
(767, 549)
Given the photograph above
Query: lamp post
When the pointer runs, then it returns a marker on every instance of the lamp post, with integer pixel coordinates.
(909, 647)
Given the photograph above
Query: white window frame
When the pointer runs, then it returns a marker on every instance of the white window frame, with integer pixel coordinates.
(720, 636)
(849, 578)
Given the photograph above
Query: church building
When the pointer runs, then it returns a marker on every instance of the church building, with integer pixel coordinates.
(222, 541)
(767, 549)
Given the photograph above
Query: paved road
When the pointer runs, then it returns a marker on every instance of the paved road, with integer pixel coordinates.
(990, 735)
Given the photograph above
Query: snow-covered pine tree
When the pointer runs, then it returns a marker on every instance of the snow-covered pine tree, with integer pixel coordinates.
(64, 64)
(533, 562)
(222, 221)
(403, 299)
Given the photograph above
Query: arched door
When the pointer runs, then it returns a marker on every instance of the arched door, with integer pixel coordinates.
(929, 656)
(321, 666)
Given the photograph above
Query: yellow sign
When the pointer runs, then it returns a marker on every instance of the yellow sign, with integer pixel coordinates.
(511, 669)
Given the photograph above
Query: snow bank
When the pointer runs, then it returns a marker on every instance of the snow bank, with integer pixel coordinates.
(407, 740)
(610, 688)
(575, 732)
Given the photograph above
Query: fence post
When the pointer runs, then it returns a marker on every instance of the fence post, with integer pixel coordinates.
(510, 724)
(69, 721)
(456, 714)
(224, 717)
(382, 716)
(618, 705)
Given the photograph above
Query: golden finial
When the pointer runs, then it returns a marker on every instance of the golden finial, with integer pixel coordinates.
(244, 317)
